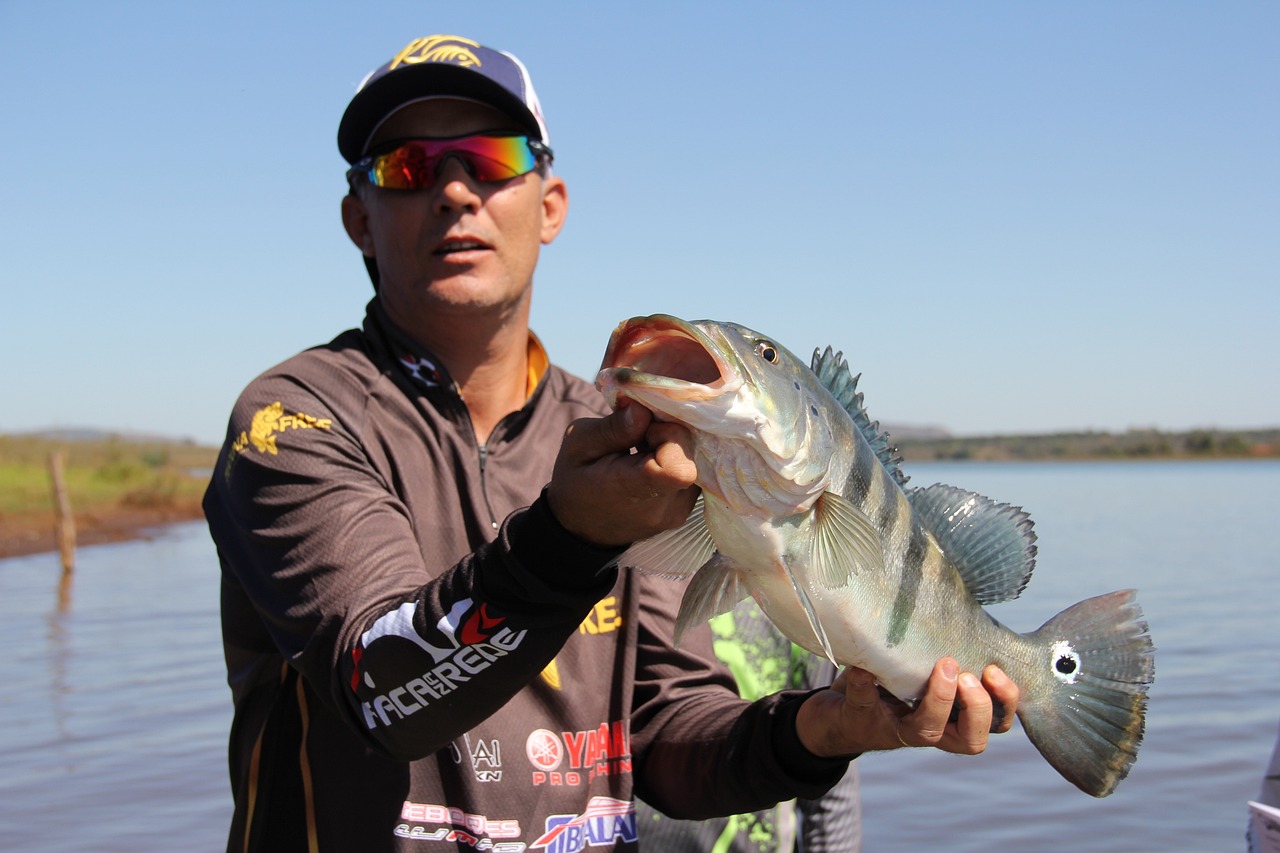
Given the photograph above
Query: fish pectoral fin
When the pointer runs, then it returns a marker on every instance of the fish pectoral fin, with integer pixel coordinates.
(992, 545)
(810, 613)
(844, 542)
(716, 588)
(674, 554)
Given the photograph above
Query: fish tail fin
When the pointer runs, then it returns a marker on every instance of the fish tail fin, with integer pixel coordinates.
(1089, 723)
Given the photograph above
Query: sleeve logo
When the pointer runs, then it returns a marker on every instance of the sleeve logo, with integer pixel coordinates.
(266, 424)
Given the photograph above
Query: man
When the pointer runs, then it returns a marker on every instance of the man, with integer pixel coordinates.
(426, 637)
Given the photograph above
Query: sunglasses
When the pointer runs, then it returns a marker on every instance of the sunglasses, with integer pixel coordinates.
(414, 164)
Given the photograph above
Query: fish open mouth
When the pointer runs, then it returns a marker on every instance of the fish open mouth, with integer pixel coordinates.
(664, 353)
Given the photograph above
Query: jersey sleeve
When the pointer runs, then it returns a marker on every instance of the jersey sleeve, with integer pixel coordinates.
(321, 563)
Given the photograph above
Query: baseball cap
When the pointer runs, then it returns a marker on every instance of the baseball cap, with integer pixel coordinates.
(435, 67)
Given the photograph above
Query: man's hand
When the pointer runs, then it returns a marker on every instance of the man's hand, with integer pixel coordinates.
(854, 717)
(608, 495)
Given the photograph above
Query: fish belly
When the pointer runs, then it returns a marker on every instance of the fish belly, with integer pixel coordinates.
(893, 631)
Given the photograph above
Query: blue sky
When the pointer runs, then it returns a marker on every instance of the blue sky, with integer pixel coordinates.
(1011, 217)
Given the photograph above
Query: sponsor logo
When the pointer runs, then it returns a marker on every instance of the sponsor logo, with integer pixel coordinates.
(551, 675)
(603, 618)
(485, 755)
(605, 823)
(474, 639)
(266, 423)
(422, 370)
(429, 822)
(575, 758)
(453, 50)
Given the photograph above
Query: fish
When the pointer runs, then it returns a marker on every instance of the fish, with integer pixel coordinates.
(804, 507)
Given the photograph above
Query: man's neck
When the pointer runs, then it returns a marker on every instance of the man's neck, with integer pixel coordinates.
(489, 363)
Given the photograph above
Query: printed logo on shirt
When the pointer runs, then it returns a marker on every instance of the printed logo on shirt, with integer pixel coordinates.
(606, 822)
(266, 423)
(604, 617)
(551, 675)
(485, 755)
(424, 371)
(575, 758)
(473, 639)
(429, 822)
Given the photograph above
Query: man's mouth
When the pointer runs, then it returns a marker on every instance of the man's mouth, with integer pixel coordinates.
(449, 247)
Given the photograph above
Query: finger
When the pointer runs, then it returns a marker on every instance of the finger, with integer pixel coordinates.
(588, 439)
(926, 725)
(1004, 698)
(973, 726)
(673, 452)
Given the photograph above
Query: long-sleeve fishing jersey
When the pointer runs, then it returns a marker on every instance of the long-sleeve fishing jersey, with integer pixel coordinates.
(420, 656)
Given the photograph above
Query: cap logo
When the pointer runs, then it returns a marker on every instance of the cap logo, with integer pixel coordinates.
(453, 50)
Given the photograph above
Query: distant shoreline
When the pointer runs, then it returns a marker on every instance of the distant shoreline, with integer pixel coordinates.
(33, 532)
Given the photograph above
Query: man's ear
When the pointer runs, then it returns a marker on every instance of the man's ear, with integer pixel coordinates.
(355, 218)
(555, 207)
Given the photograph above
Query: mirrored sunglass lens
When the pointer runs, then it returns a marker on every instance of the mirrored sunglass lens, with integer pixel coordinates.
(495, 158)
(406, 168)
(488, 158)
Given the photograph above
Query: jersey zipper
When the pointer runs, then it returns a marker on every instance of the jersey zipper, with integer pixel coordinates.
(484, 486)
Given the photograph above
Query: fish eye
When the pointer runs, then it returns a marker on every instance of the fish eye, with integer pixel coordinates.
(767, 351)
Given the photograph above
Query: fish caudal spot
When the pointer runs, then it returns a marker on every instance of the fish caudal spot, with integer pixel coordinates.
(1066, 662)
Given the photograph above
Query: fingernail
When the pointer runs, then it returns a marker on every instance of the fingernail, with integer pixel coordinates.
(969, 681)
(950, 668)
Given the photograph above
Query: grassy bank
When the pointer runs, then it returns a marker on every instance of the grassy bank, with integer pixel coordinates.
(117, 487)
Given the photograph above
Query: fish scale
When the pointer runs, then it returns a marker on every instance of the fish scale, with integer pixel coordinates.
(868, 574)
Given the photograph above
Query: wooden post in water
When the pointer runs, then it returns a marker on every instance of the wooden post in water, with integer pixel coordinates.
(65, 530)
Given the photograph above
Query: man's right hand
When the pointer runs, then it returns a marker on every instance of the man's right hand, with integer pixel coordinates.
(624, 477)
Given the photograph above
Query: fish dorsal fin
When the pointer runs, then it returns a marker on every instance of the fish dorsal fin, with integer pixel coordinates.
(844, 542)
(673, 554)
(833, 372)
(991, 544)
(716, 588)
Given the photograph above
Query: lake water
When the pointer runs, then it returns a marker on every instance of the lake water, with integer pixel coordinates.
(114, 708)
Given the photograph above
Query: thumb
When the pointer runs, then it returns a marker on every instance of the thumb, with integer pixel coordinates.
(860, 689)
(617, 432)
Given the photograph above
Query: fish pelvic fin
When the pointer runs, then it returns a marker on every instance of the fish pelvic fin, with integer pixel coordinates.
(1100, 662)
(844, 542)
(834, 374)
(992, 545)
(715, 588)
(673, 554)
(811, 614)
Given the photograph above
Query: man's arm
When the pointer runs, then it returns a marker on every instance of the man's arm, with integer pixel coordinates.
(414, 654)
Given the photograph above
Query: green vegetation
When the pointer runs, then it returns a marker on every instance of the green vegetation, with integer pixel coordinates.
(102, 474)
(1134, 444)
(113, 472)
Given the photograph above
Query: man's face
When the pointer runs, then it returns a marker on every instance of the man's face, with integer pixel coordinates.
(460, 246)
